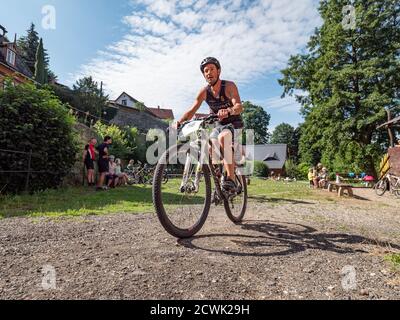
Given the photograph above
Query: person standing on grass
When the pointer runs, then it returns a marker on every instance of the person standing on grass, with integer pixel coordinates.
(103, 161)
(311, 177)
(89, 156)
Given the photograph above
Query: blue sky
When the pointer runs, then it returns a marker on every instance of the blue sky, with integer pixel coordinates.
(152, 49)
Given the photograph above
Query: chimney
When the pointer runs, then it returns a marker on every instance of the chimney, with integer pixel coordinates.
(158, 107)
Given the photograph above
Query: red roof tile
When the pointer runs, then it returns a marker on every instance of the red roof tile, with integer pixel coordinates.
(162, 113)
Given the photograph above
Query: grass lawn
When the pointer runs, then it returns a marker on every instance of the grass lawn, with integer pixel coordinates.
(133, 199)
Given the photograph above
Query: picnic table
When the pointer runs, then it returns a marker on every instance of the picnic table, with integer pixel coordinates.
(340, 188)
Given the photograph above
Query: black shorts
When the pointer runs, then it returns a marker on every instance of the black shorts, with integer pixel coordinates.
(89, 164)
(103, 166)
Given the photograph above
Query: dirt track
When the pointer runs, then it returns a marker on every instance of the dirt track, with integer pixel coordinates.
(283, 250)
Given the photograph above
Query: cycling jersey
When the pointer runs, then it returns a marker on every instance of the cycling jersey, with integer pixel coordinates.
(223, 102)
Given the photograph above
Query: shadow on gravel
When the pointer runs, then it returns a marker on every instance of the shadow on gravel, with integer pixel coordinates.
(264, 199)
(279, 239)
(360, 198)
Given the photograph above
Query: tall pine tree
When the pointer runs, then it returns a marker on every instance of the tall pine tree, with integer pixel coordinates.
(28, 47)
(40, 70)
(350, 75)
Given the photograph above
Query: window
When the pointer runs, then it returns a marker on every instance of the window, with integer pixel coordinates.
(271, 157)
(124, 102)
(10, 57)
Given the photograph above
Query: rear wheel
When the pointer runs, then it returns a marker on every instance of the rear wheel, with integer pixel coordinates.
(235, 207)
(381, 187)
(181, 209)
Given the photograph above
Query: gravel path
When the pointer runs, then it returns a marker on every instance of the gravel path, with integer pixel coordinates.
(284, 250)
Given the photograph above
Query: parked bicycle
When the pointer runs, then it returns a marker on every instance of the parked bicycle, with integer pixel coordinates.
(182, 205)
(143, 175)
(389, 182)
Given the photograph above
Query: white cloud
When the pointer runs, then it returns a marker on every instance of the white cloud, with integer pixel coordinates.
(287, 104)
(158, 61)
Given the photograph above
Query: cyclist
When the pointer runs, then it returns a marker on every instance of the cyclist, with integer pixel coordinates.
(223, 99)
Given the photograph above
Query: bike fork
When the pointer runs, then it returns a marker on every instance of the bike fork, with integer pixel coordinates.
(186, 170)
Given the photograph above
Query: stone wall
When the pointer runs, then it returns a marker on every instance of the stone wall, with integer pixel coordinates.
(142, 120)
(85, 133)
(394, 160)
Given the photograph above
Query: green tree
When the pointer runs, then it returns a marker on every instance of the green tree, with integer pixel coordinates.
(291, 169)
(40, 71)
(35, 120)
(286, 134)
(90, 96)
(348, 76)
(28, 47)
(121, 147)
(257, 119)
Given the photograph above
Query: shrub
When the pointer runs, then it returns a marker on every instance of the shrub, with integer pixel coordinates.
(302, 171)
(35, 120)
(120, 147)
(260, 169)
(291, 169)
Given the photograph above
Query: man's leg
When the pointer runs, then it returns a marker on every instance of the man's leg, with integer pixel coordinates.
(90, 176)
(101, 179)
(225, 140)
(110, 181)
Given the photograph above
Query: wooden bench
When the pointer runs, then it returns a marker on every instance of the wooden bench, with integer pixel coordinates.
(340, 188)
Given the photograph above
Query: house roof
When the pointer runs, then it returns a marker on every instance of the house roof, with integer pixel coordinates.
(20, 65)
(124, 93)
(164, 114)
(273, 155)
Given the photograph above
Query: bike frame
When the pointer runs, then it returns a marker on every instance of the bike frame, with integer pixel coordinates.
(198, 146)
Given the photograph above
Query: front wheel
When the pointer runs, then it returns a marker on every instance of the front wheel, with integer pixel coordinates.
(181, 207)
(235, 207)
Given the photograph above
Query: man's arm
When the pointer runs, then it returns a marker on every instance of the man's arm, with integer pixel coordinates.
(106, 153)
(233, 94)
(196, 105)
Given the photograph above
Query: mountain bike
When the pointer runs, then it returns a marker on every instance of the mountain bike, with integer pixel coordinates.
(388, 182)
(182, 204)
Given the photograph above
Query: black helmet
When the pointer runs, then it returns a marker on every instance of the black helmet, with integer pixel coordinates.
(207, 61)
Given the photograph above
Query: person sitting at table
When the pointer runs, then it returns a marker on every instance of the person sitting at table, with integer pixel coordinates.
(323, 178)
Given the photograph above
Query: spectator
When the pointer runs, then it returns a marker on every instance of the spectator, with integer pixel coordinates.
(272, 175)
(89, 156)
(311, 177)
(323, 178)
(111, 176)
(315, 176)
(122, 177)
(103, 161)
(130, 166)
(369, 180)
